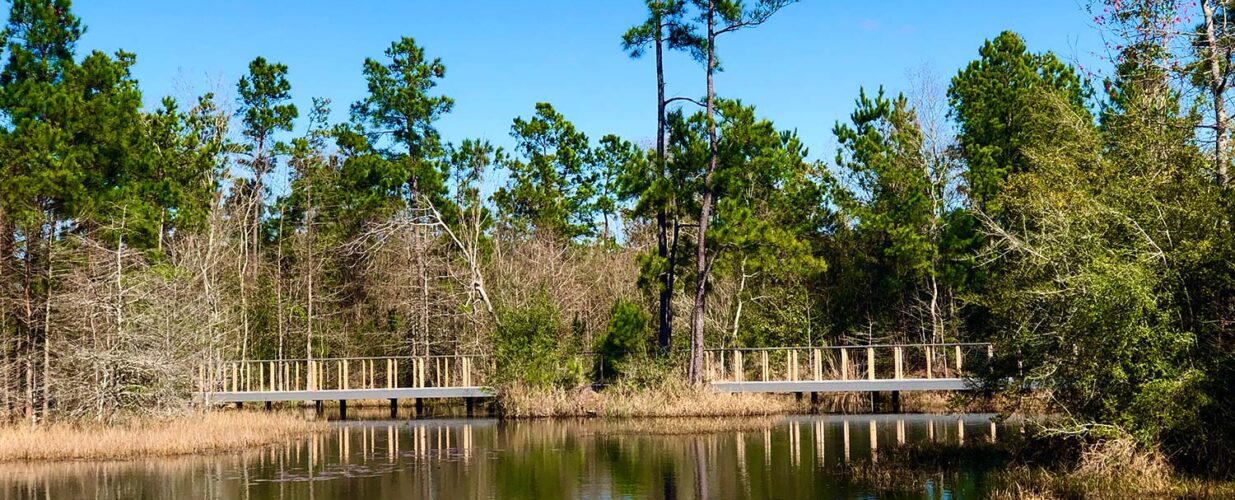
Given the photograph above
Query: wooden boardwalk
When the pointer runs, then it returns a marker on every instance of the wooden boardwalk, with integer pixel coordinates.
(874, 368)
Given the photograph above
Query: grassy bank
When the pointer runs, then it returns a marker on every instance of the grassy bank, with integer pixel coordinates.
(192, 434)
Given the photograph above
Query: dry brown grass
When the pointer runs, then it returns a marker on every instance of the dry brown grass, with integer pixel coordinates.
(670, 400)
(1110, 468)
(205, 433)
(1123, 461)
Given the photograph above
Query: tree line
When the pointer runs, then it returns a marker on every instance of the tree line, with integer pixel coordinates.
(1081, 222)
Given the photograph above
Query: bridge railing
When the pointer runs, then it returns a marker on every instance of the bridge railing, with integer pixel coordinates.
(390, 372)
(870, 362)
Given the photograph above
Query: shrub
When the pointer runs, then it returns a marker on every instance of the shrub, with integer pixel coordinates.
(529, 350)
(625, 338)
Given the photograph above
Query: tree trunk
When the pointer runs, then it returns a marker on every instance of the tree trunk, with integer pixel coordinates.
(695, 368)
(46, 386)
(1217, 88)
(664, 336)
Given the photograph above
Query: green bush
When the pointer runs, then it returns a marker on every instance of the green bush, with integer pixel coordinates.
(627, 336)
(528, 347)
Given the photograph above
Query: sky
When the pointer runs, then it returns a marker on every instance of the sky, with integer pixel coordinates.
(802, 69)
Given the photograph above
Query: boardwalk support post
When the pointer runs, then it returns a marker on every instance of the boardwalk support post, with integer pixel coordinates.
(394, 408)
(342, 409)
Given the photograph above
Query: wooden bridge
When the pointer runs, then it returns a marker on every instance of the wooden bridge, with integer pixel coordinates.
(872, 368)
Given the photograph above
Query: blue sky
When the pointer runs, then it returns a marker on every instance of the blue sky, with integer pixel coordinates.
(802, 69)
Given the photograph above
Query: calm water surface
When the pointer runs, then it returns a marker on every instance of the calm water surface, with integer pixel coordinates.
(785, 457)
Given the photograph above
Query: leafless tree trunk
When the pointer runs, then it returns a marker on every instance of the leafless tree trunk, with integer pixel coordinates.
(1218, 59)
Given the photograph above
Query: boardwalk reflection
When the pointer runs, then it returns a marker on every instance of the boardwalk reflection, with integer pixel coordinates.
(782, 458)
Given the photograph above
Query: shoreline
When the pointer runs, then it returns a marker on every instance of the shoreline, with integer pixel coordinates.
(224, 430)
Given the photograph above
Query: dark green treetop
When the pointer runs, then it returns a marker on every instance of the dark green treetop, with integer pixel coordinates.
(398, 115)
(994, 100)
(552, 183)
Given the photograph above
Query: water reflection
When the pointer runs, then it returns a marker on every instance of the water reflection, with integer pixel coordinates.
(792, 457)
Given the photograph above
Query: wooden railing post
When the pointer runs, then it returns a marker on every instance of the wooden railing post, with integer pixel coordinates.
(420, 371)
(737, 365)
(763, 363)
(347, 375)
(844, 364)
(898, 357)
(959, 362)
(929, 353)
(817, 364)
(870, 363)
(792, 360)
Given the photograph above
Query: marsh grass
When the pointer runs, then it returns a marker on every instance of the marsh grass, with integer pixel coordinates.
(1111, 468)
(668, 400)
(190, 434)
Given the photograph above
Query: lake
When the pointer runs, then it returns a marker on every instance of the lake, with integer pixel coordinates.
(449, 458)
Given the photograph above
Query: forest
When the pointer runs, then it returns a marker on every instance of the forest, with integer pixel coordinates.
(1082, 223)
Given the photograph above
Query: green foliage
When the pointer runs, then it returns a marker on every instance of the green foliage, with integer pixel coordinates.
(264, 96)
(400, 105)
(995, 100)
(1090, 293)
(892, 195)
(612, 158)
(665, 25)
(528, 347)
(625, 338)
(552, 182)
(766, 200)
